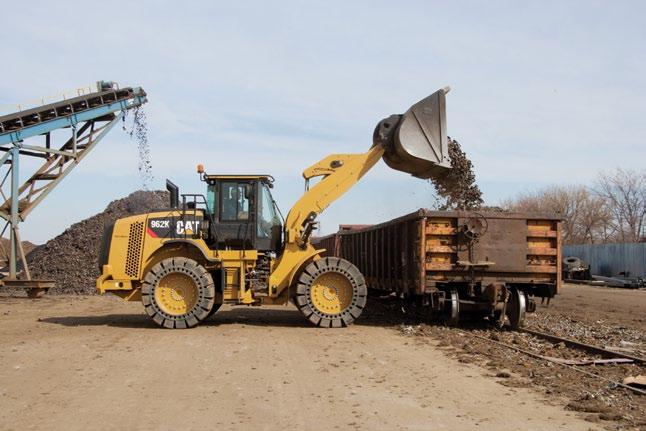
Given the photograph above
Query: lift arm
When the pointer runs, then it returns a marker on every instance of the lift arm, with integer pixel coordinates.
(415, 142)
(339, 173)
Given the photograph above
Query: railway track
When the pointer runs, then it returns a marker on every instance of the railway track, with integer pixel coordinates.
(572, 344)
(606, 353)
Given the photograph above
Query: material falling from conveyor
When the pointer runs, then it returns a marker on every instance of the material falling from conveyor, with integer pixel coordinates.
(89, 118)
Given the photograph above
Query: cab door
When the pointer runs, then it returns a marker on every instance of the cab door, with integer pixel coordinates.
(235, 216)
(268, 227)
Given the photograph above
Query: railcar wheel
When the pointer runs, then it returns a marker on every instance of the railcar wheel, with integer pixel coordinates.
(331, 292)
(517, 308)
(453, 308)
(178, 293)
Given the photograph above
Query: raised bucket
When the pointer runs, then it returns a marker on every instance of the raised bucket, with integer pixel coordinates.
(416, 141)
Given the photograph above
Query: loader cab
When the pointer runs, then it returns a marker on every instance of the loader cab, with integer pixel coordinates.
(243, 212)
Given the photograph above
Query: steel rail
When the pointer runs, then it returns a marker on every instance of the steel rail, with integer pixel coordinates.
(538, 356)
(583, 346)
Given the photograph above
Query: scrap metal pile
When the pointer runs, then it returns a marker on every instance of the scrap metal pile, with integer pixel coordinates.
(71, 258)
(457, 188)
(576, 270)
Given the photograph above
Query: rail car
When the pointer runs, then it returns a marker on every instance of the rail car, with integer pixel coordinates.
(458, 264)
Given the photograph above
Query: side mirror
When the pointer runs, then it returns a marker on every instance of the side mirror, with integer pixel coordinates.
(174, 193)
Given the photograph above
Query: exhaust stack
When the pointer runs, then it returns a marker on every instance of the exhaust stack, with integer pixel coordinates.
(416, 141)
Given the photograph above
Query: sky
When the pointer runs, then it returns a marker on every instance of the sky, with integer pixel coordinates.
(543, 92)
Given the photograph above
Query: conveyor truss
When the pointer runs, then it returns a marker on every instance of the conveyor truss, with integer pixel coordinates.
(28, 134)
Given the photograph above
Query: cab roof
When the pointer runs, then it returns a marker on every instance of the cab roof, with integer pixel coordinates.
(268, 178)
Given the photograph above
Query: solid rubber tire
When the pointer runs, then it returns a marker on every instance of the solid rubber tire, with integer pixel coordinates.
(303, 299)
(205, 293)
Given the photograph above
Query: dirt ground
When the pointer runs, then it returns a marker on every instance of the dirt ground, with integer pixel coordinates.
(94, 362)
(606, 317)
(600, 305)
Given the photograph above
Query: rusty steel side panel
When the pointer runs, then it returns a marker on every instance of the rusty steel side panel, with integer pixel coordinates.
(390, 256)
(504, 243)
(559, 258)
(518, 248)
(417, 252)
(329, 242)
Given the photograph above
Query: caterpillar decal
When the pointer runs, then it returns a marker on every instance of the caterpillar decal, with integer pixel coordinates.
(173, 227)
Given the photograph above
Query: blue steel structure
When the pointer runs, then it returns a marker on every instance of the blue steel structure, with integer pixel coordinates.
(88, 118)
(609, 260)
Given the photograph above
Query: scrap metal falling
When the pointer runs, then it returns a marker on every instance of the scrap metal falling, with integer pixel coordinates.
(88, 118)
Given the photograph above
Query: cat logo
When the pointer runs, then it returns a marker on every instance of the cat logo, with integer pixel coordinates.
(189, 227)
(172, 227)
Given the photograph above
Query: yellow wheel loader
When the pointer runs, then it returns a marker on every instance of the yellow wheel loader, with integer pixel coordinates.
(232, 246)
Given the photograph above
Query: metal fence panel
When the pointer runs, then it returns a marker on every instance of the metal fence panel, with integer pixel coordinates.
(611, 259)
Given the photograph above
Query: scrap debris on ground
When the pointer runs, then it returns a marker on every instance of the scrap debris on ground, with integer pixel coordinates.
(4, 249)
(597, 400)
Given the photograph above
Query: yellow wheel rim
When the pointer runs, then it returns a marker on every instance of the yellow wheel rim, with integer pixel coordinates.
(176, 294)
(331, 293)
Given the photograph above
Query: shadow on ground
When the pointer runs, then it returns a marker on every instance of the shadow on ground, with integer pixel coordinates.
(115, 320)
(375, 314)
(240, 316)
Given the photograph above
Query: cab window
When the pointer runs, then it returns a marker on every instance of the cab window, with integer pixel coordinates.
(235, 204)
(267, 214)
(212, 199)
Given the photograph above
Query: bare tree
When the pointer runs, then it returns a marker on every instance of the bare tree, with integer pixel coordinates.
(624, 193)
(584, 214)
(596, 222)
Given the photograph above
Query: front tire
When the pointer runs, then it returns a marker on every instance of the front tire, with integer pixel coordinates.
(178, 293)
(331, 292)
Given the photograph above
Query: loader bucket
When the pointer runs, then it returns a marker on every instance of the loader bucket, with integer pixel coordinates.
(416, 141)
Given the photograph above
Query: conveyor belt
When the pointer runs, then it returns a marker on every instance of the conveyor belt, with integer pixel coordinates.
(65, 113)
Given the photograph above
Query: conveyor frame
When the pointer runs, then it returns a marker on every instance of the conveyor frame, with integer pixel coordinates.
(89, 118)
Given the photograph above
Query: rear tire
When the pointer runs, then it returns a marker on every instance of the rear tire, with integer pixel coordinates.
(331, 292)
(178, 293)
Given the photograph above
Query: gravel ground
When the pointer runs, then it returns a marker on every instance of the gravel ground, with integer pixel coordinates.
(602, 314)
(605, 317)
